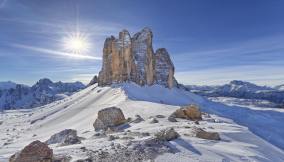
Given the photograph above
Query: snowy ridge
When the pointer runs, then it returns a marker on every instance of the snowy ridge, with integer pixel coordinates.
(79, 112)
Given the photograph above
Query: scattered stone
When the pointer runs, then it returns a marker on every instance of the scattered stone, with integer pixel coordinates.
(172, 119)
(127, 138)
(196, 122)
(154, 120)
(34, 152)
(100, 134)
(112, 137)
(187, 127)
(34, 135)
(138, 151)
(138, 119)
(83, 148)
(85, 132)
(200, 133)
(129, 119)
(108, 118)
(61, 158)
(65, 137)
(6, 143)
(167, 134)
(160, 116)
(85, 160)
(144, 134)
(1, 122)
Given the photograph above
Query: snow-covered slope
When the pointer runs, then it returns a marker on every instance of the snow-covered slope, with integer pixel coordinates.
(79, 112)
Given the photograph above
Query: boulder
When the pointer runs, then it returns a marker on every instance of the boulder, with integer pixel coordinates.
(190, 112)
(34, 152)
(167, 134)
(65, 137)
(172, 119)
(108, 118)
(200, 133)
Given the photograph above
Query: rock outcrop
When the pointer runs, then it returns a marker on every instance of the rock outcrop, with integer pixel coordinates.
(93, 81)
(34, 152)
(133, 59)
(108, 118)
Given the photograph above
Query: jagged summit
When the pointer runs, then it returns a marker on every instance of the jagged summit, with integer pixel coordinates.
(132, 59)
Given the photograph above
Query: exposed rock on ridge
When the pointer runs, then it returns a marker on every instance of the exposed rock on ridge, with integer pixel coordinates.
(133, 59)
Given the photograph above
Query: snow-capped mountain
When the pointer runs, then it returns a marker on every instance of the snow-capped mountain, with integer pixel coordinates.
(14, 96)
(243, 90)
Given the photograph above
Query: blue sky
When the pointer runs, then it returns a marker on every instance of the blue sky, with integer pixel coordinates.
(210, 42)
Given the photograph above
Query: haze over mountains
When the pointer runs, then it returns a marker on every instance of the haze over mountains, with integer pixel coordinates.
(243, 90)
(15, 96)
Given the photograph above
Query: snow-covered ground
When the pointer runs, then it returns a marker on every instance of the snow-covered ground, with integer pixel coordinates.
(235, 125)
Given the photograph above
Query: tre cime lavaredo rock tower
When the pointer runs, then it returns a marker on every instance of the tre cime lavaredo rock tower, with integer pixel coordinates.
(132, 59)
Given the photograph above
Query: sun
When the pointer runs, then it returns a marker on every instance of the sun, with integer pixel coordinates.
(76, 43)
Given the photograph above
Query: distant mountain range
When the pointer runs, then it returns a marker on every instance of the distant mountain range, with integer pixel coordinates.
(243, 90)
(14, 96)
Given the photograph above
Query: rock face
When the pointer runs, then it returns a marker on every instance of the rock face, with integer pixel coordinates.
(65, 137)
(164, 68)
(133, 59)
(34, 152)
(108, 118)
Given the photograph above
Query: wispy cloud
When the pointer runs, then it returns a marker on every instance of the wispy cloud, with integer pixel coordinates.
(252, 52)
(54, 52)
(84, 78)
(264, 75)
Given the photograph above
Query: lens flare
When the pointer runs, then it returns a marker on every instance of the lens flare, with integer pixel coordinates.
(76, 43)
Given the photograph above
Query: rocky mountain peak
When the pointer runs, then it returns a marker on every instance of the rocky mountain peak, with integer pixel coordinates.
(44, 81)
(133, 59)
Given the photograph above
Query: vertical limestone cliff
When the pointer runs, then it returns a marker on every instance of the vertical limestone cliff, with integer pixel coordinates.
(133, 59)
